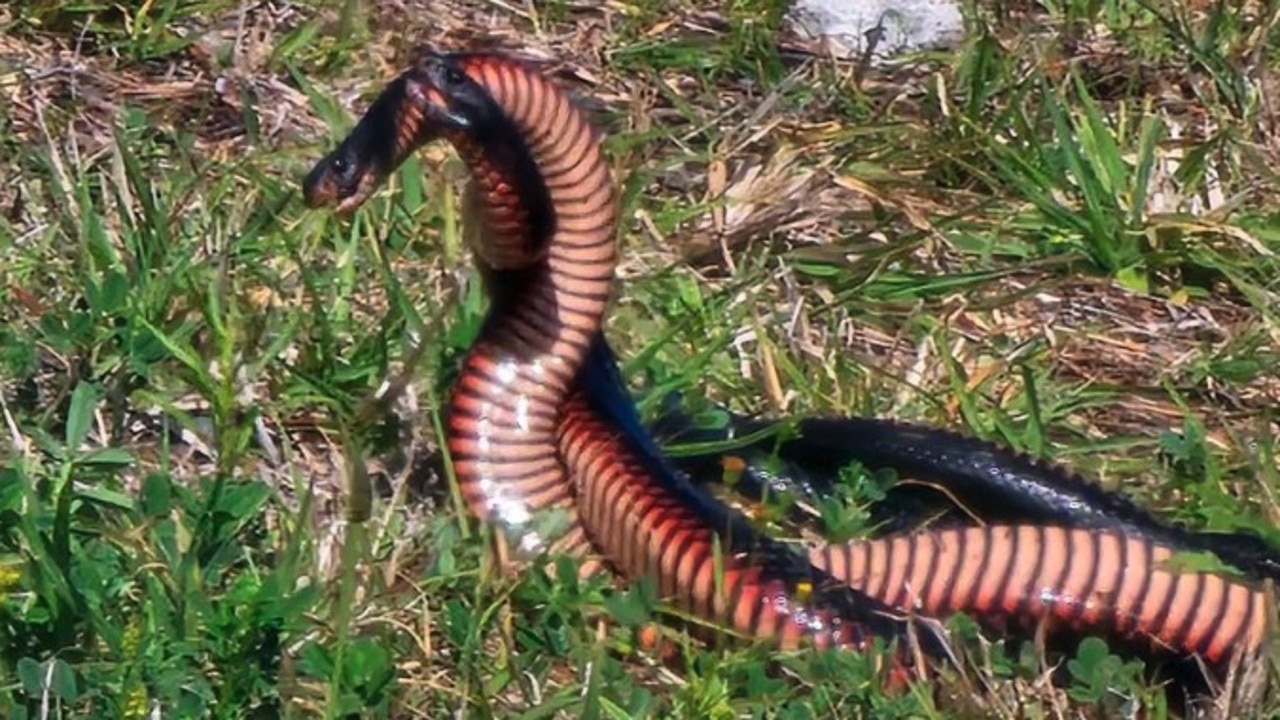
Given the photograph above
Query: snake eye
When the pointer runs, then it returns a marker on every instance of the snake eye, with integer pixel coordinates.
(454, 77)
(345, 171)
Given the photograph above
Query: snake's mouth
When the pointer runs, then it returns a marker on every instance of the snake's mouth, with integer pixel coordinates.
(348, 175)
(350, 199)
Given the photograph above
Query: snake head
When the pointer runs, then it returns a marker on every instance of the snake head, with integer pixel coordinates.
(434, 98)
(391, 129)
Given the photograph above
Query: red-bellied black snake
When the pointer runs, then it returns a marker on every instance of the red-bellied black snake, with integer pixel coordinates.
(521, 439)
(524, 438)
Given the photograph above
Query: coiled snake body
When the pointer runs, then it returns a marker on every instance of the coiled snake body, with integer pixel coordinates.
(983, 479)
(536, 420)
(522, 441)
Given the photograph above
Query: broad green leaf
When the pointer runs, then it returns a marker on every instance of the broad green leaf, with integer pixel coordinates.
(84, 402)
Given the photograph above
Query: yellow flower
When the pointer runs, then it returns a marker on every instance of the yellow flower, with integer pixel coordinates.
(803, 590)
(136, 703)
(10, 574)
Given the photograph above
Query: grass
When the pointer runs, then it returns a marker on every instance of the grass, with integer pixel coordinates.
(1057, 235)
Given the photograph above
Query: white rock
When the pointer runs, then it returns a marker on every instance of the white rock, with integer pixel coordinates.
(907, 24)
